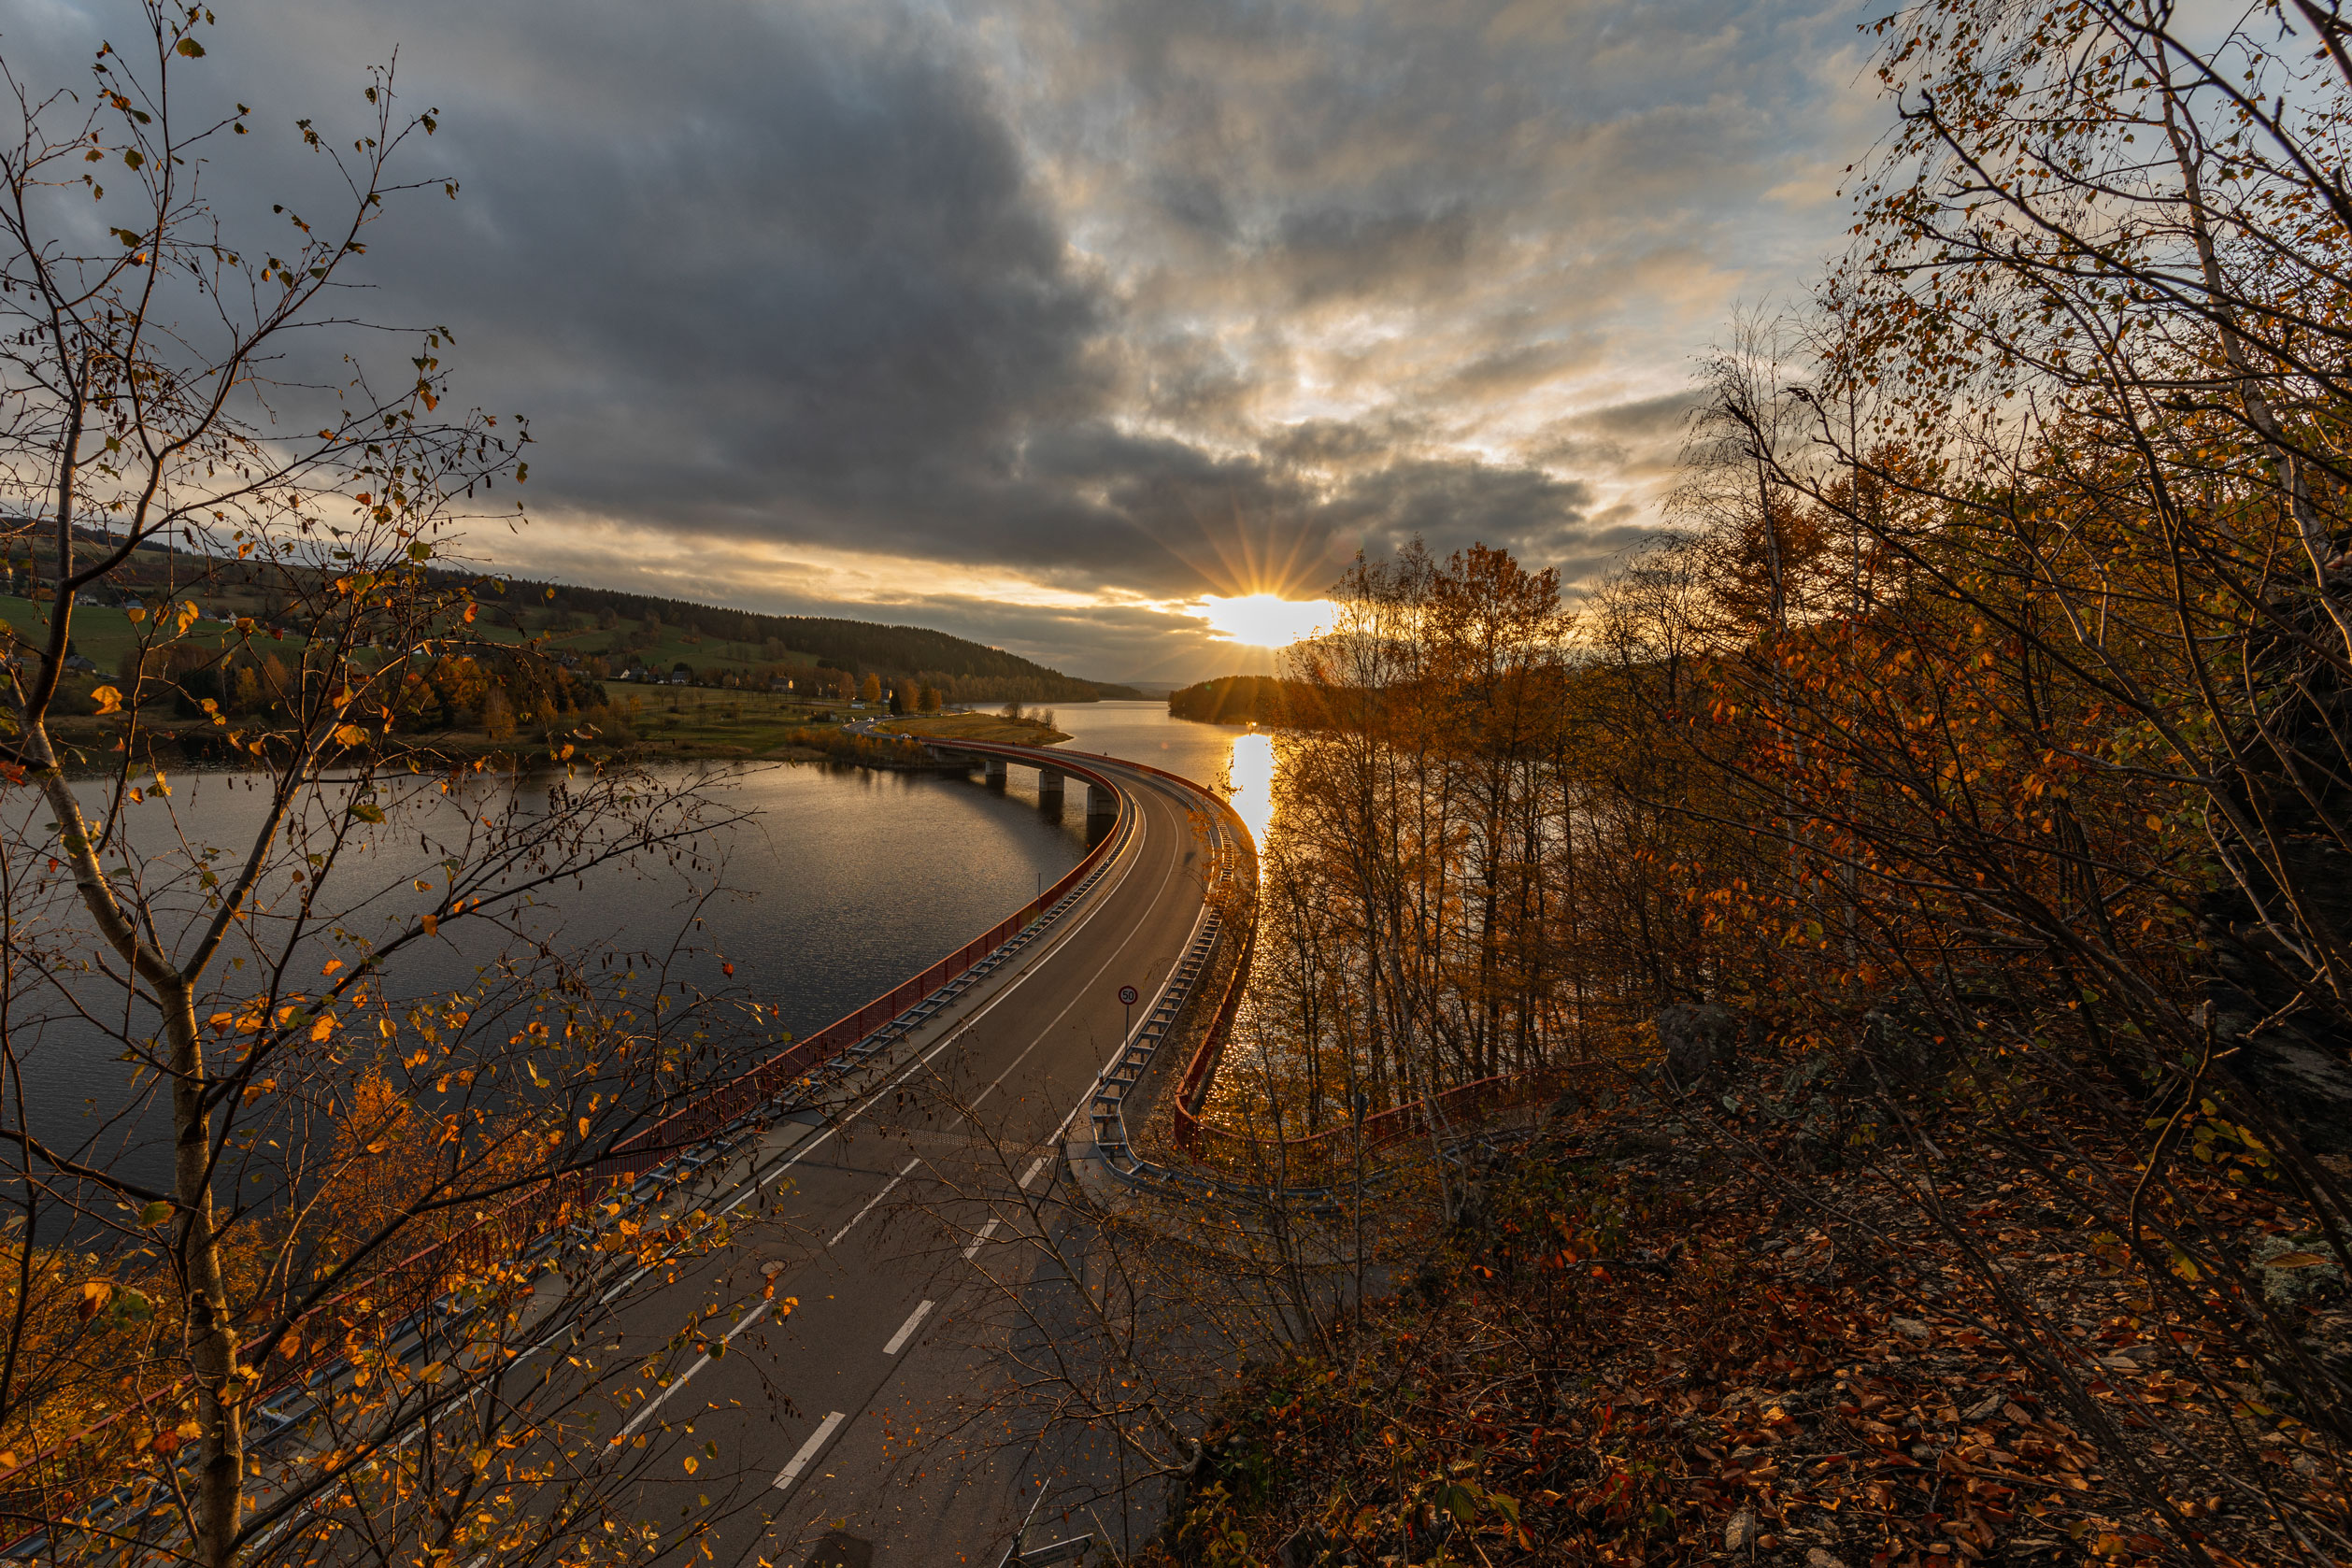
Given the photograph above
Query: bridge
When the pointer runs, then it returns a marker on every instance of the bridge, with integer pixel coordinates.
(959, 1085)
(957, 1089)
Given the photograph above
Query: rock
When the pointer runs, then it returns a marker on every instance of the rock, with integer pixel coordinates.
(2297, 1271)
(1702, 1042)
(1739, 1534)
(1911, 1328)
(1816, 1558)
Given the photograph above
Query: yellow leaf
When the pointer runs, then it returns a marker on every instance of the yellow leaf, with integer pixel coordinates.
(186, 615)
(349, 735)
(108, 699)
(432, 923)
(135, 613)
(2293, 1261)
(321, 1028)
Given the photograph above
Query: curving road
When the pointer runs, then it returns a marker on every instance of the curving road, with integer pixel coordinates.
(860, 1421)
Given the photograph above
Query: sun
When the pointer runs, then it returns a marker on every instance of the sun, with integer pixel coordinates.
(1265, 620)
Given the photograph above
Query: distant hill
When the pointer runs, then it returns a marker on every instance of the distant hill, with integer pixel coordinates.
(625, 628)
(966, 670)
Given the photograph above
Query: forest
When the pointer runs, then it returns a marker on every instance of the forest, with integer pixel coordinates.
(1234, 699)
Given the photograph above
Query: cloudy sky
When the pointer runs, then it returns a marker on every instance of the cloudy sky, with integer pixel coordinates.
(1049, 322)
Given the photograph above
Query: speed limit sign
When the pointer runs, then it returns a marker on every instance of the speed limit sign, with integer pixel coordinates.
(1129, 996)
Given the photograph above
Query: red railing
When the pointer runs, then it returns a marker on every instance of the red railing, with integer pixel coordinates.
(718, 1106)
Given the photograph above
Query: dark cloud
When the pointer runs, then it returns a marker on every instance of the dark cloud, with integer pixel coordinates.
(1126, 301)
(1337, 252)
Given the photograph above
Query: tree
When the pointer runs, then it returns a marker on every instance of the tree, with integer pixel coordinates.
(871, 689)
(168, 400)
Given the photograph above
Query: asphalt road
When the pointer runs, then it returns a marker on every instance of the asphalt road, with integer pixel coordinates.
(868, 1413)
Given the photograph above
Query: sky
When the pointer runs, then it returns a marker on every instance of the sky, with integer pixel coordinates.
(1054, 323)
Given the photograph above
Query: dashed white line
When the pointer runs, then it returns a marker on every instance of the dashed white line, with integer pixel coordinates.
(986, 1231)
(1126, 859)
(650, 1405)
(1043, 1160)
(907, 1330)
(790, 1473)
(873, 1200)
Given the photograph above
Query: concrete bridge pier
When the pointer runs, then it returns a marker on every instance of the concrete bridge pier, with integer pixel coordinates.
(1050, 786)
(993, 770)
(1101, 804)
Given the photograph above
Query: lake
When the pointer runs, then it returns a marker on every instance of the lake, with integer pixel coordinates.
(837, 887)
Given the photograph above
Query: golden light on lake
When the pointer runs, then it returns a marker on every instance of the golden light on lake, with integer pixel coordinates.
(1251, 774)
(1265, 620)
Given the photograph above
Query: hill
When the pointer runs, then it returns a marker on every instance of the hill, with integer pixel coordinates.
(622, 628)
(966, 671)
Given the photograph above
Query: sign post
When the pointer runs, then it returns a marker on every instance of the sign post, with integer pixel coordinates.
(1128, 997)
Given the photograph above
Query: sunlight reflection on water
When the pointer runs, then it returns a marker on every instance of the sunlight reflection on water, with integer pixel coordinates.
(1252, 773)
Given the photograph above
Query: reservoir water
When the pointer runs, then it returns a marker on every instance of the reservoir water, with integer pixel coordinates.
(838, 884)
(1225, 757)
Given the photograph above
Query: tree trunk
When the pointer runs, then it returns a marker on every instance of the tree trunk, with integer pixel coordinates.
(221, 1387)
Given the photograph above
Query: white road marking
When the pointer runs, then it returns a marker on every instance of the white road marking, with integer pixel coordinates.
(1084, 993)
(986, 1231)
(907, 1330)
(790, 1473)
(1125, 859)
(873, 1200)
(646, 1412)
(1031, 1174)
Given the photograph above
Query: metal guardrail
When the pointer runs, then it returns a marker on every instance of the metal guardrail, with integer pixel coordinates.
(856, 1036)
(1107, 1114)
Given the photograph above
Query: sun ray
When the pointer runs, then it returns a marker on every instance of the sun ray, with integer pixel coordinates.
(1264, 620)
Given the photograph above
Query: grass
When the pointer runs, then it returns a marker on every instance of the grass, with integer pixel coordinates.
(701, 722)
(979, 726)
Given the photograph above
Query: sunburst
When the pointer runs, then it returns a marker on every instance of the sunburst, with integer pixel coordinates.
(1265, 620)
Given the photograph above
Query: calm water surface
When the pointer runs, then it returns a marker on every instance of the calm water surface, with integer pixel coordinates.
(840, 884)
(1225, 757)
